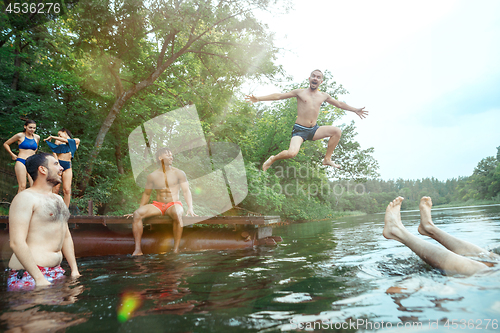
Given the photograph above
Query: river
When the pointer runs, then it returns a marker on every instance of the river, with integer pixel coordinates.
(338, 275)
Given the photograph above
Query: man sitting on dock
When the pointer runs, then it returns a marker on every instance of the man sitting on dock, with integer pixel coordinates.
(167, 181)
(38, 228)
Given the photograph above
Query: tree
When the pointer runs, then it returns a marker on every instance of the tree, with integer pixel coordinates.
(34, 81)
(132, 44)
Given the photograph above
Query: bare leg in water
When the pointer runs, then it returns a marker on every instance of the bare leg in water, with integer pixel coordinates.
(444, 259)
(464, 248)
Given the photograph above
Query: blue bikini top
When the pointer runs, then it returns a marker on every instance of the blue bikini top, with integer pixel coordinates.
(28, 144)
(69, 147)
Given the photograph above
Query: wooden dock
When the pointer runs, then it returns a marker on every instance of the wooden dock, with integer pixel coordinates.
(258, 221)
(112, 235)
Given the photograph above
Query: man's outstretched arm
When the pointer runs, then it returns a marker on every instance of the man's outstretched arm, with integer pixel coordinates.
(341, 105)
(272, 97)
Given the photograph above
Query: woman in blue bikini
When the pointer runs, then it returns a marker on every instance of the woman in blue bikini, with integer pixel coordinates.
(27, 142)
(64, 147)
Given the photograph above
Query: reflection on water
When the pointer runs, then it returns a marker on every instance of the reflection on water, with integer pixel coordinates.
(333, 273)
(25, 311)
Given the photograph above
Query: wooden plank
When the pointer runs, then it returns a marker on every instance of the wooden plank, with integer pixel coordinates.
(231, 220)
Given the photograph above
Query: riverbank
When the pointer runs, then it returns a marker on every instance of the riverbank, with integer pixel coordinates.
(469, 203)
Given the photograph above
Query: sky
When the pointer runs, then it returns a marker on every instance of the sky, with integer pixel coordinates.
(428, 72)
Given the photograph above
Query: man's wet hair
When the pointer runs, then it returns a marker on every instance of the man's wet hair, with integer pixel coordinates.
(34, 161)
(160, 152)
(317, 70)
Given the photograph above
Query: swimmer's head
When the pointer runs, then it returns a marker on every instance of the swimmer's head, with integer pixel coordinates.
(65, 130)
(29, 125)
(318, 71)
(34, 162)
(162, 151)
(315, 79)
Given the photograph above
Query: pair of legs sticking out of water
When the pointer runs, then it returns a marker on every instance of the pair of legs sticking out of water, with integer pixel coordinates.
(453, 259)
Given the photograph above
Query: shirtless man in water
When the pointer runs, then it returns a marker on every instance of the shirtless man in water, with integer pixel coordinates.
(167, 181)
(452, 259)
(308, 103)
(38, 228)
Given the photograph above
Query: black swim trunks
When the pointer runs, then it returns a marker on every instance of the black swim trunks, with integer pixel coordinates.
(306, 133)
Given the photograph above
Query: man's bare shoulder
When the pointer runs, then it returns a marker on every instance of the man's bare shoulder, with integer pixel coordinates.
(26, 196)
(179, 173)
(57, 197)
(325, 94)
(158, 173)
(177, 170)
(299, 91)
(308, 93)
(154, 173)
(30, 196)
(23, 205)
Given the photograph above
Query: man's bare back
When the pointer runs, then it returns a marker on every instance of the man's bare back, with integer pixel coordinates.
(46, 229)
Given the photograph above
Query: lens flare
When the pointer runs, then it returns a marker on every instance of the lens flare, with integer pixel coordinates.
(130, 302)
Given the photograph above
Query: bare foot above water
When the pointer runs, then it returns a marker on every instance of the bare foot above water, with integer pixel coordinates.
(392, 220)
(426, 224)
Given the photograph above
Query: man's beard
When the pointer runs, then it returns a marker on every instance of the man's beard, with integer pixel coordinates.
(53, 179)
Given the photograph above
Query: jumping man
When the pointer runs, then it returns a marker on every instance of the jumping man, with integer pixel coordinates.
(308, 103)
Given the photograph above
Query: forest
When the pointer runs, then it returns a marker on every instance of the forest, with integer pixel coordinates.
(104, 68)
(482, 187)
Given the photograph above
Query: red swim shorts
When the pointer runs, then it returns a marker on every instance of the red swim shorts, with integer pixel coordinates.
(164, 206)
(21, 279)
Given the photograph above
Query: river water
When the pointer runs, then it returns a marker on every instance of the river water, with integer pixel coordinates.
(338, 275)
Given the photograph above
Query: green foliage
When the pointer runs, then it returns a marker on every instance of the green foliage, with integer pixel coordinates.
(124, 196)
(153, 57)
(4, 210)
(484, 183)
(262, 196)
(194, 52)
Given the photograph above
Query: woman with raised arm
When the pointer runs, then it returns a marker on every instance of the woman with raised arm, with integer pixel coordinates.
(27, 142)
(64, 147)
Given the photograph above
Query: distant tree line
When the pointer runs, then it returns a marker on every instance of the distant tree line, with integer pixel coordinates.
(372, 196)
